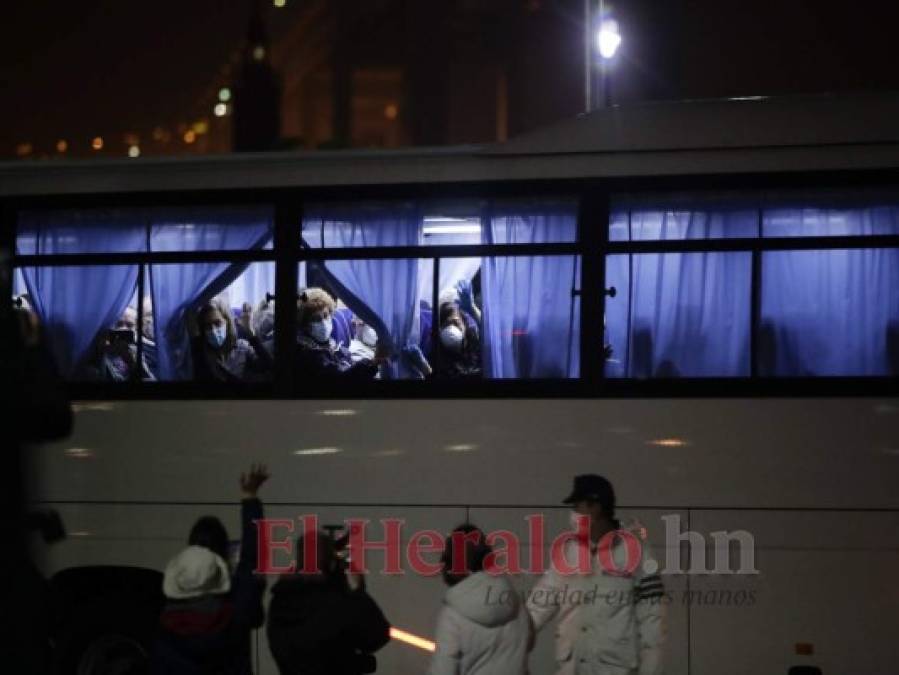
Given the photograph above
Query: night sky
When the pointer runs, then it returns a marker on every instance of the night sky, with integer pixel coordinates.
(77, 69)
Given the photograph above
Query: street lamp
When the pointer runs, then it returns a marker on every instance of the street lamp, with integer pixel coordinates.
(602, 39)
(608, 38)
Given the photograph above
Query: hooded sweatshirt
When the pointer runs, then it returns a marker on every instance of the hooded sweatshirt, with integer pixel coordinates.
(320, 627)
(482, 629)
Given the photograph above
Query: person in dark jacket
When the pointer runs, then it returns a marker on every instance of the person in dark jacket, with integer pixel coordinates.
(222, 353)
(318, 355)
(323, 622)
(209, 615)
(458, 354)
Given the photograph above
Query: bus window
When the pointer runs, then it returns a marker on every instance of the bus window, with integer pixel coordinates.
(362, 225)
(678, 315)
(350, 311)
(833, 312)
(531, 316)
(798, 220)
(214, 320)
(72, 231)
(231, 228)
(88, 316)
(677, 217)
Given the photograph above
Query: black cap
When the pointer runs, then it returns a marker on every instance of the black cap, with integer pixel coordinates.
(595, 488)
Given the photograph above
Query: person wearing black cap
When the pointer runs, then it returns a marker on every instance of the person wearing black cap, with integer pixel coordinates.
(610, 621)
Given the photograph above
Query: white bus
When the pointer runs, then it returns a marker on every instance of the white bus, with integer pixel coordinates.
(698, 300)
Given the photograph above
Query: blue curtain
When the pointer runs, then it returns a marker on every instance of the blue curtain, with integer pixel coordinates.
(383, 293)
(179, 289)
(830, 313)
(75, 231)
(679, 314)
(801, 221)
(75, 302)
(530, 313)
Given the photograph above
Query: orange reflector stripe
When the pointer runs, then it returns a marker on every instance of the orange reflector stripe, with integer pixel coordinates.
(413, 640)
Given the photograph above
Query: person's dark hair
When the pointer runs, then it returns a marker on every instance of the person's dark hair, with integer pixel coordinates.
(217, 305)
(448, 311)
(476, 552)
(210, 533)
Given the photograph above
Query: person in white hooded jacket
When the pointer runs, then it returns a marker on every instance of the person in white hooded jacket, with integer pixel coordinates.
(483, 627)
(612, 617)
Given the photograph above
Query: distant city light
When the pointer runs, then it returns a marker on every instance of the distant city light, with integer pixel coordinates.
(224, 94)
(200, 127)
(24, 149)
(132, 139)
(391, 111)
(220, 110)
(280, 3)
(608, 38)
(62, 145)
(134, 151)
(97, 143)
(190, 136)
(258, 53)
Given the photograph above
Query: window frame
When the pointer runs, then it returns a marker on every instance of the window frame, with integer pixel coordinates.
(592, 245)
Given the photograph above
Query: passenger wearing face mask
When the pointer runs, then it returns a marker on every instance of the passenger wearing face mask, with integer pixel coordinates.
(318, 355)
(219, 355)
(458, 354)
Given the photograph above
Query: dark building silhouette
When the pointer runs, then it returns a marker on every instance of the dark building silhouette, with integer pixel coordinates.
(257, 93)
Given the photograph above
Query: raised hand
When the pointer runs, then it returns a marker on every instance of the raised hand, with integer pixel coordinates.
(251, 482)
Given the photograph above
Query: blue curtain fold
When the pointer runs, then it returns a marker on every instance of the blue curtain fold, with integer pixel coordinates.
(383, 293)
(75, 303)
(530, 311)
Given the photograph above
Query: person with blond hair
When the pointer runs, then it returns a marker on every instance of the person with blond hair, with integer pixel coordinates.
(318, 355)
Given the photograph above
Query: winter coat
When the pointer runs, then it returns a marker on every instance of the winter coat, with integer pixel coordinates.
(483, 629)
(329, 362)
(246, 361)
(211, 634)
(609, 624)
(320, 627)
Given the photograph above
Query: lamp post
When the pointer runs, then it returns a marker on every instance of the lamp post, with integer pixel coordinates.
(602, 38)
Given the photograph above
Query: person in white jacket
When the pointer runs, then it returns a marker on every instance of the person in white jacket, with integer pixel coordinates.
(483, 627)
(611, 622)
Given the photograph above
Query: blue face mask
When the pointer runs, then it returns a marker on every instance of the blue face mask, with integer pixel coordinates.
(320, 331)
(215, 336)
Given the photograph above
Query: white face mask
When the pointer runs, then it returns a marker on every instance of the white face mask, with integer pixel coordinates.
(320, 331)
(451, 337)
(368, 336)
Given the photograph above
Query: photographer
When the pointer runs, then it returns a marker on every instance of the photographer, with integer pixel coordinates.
(116, 356)
(323, 622)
